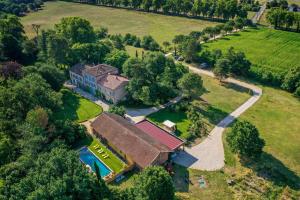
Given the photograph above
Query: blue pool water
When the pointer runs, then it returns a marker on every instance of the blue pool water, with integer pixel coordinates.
(89, 158)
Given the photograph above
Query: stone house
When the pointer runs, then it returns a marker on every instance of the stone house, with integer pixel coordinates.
(101, 80)
(141, 145)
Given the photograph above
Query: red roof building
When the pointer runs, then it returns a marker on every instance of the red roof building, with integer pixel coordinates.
(160, 135)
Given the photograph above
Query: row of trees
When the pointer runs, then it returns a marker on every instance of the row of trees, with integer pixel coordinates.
(284, 19)
(235, 63)
(278, 4)
(207, 8)
(19, 7)
(188, 46)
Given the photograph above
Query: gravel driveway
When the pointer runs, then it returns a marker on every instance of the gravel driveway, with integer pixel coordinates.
(209, 155)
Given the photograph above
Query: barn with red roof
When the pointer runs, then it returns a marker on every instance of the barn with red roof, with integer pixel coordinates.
(157, 133)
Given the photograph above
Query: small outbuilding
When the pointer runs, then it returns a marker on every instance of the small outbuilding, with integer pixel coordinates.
(169, 126)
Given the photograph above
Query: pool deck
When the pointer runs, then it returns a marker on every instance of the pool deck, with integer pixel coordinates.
(111, 171)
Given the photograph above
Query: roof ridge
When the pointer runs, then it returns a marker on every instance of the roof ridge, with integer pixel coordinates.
(140, 138)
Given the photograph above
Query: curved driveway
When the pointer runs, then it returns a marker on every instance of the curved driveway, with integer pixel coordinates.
(209, 154)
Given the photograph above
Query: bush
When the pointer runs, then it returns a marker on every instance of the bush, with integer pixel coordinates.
(119, 110)
(291, 80)
(149, 43)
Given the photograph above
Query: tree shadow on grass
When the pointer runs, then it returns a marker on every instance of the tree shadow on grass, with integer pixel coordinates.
(129, 176)
(245, 30)
(224, 38)
(70, 105)
(237, 88)
(212, 114)
(235, 34)
(272, 169)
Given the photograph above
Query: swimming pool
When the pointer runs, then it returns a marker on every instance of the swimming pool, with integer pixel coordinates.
(89, 158)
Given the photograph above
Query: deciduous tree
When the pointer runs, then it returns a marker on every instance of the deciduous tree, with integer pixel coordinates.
(244, 140)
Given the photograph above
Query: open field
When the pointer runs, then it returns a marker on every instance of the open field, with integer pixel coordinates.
(277, 115)
(122, 21)
(77, 108)
(217, 102)
(294, 2)
(271, 49)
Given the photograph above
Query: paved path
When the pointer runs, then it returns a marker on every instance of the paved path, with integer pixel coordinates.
(258, 14)
(209, 155)
(136, 115)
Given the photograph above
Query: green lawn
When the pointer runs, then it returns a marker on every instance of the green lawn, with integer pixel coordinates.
(77, 108)
(122, 21)
(277, 117)
(271, 49)
(131, 50)
(113, 162)
(220, 101)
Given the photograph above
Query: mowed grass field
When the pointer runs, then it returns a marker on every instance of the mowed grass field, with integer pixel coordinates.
(161, 27)
(271, 49)
(277, 117)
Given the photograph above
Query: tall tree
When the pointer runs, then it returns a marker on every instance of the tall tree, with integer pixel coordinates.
(244, 139)
(76, 30)
(221, 69)
(191, 85)
(154, 183)
(116, 58)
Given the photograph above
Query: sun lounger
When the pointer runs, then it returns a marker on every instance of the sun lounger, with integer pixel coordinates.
(106, 156)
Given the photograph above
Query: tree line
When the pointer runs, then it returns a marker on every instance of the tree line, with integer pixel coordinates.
(189, 46)
(232, 62)
(219, 9)
(284, 19)
(19, 7)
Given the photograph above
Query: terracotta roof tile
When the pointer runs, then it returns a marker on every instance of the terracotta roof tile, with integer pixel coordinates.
(99, 70)
(130, 140)
(159, 134)
(113, 82)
